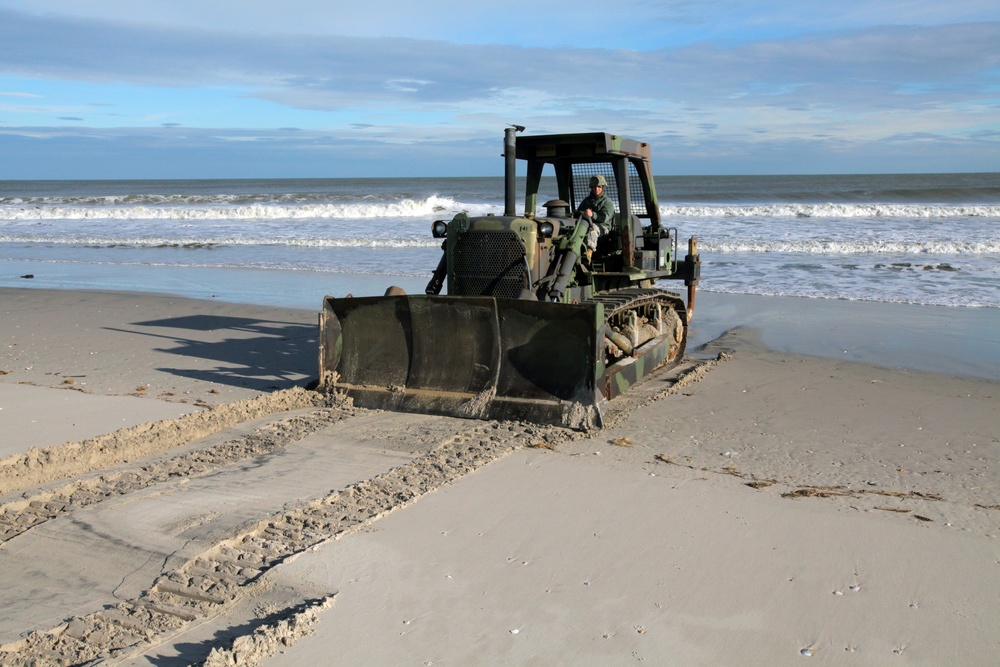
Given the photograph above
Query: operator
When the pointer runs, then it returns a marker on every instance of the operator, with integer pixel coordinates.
(599, 208)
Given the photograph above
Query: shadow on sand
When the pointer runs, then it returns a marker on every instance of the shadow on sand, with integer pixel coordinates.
(257, 354)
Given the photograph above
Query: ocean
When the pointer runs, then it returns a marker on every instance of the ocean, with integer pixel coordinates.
(931, 239)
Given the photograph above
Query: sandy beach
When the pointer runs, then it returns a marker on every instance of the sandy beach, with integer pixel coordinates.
(817, 484)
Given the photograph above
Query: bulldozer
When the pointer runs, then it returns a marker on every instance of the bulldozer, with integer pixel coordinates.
(534, 325)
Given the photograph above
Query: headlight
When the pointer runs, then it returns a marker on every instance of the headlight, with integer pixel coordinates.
(545, 229)
(439, 229)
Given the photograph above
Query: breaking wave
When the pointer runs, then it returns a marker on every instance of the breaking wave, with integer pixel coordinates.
(197, 243)
(855, 247)
(185, 208)
(833, 211)
(215, 209)
(811, 247)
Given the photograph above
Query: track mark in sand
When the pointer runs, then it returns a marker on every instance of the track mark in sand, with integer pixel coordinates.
(41, 465)
(679, 377)
(21, 515)
(207, 584)
(288, 627)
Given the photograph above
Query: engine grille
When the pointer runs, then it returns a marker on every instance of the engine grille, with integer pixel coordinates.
(489, 264)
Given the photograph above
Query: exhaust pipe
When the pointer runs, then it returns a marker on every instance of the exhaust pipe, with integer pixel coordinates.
(510, 168)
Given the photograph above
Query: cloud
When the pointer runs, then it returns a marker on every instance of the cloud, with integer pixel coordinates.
(328, 74)
(644, 23)
(845, 90)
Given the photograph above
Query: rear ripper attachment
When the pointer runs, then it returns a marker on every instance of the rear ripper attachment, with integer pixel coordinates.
(539, 323)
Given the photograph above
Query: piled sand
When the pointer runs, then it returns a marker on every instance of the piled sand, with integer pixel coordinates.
(755, 508)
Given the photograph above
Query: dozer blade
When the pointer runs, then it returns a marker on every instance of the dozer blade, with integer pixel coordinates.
(475, 357)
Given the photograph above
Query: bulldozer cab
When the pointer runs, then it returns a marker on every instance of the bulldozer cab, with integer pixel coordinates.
(573, 159)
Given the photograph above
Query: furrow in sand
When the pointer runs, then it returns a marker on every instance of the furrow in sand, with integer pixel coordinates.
(206, 584)
(47, 464)
(21, 515)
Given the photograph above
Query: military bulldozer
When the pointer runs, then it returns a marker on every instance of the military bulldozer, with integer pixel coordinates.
(534, 325)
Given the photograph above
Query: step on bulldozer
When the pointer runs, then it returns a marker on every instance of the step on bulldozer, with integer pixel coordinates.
(536, 324)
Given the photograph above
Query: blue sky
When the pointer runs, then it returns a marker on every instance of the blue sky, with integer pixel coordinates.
(303, 88)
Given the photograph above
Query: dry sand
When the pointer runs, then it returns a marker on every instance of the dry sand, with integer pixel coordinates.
(184, 501)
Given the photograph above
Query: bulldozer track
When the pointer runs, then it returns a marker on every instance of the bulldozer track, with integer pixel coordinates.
(207, 584)
(619, 301)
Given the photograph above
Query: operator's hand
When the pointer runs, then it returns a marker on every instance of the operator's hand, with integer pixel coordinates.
(590, 213)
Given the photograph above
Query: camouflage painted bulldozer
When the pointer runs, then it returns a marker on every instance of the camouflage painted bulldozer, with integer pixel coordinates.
(534, 326)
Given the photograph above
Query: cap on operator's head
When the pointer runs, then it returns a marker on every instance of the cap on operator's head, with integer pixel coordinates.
(598, 180)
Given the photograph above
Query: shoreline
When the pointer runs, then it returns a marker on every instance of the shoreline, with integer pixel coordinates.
(952, 340)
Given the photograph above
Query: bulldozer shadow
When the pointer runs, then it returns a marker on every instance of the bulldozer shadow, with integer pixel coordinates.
(251, 353)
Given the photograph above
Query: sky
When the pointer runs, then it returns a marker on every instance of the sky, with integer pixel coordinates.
(113, 89)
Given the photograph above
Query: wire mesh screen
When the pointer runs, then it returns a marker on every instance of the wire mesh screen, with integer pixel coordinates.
(581, 185)
(635, 192)
(582, 174)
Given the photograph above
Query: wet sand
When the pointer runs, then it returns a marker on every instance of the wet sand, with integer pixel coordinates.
(769, 507)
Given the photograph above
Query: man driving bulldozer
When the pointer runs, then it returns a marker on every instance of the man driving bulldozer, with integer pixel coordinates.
(599, 209)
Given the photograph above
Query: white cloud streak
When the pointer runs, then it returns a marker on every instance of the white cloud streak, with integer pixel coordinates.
(325, 73)
(855, 86)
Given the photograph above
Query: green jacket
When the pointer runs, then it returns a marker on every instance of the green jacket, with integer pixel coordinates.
(603, 208)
